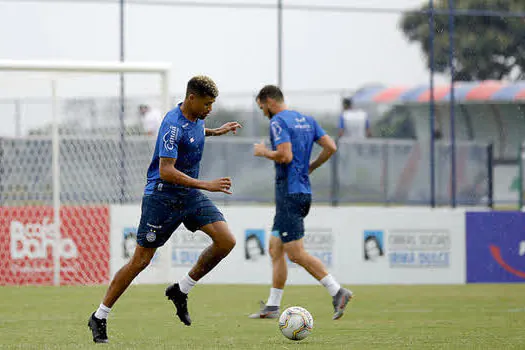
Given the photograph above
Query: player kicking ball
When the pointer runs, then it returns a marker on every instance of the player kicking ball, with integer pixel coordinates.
(172, 196)
(292, 136)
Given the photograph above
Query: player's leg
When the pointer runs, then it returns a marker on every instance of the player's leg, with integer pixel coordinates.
(279, 268)
(123, 278)
(270, 309)
(127, 273)
(340, 296)
(205, 216)
(154, 230)
(296, 209)
(222, 244)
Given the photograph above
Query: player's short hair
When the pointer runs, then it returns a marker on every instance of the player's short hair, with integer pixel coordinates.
(347, 102)
(202, 86)
(270, 91)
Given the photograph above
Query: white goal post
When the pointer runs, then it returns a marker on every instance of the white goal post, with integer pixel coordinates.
(79, 67)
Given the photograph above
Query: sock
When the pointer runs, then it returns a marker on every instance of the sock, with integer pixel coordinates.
(275, 297)
(102, 312)
(186, 284)
(330, 284)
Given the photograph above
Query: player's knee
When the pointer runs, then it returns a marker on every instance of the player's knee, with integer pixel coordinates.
(140, 263)
(296, 257)
(227, 243)
(276, 253)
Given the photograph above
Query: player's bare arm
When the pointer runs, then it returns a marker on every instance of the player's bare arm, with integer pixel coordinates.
(329, 148)
(282, 155)
(170, 174)
(223, 130)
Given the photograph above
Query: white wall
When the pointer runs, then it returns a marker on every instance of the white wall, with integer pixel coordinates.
(412, 240)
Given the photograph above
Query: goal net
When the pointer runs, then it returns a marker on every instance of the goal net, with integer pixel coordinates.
(73, 141)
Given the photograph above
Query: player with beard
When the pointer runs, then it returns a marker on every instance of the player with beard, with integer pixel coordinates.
(293, 135)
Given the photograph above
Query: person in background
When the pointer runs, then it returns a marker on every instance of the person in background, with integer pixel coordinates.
(151, 119)
(353, 122)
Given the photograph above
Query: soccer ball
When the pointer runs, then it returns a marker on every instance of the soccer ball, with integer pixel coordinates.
(296, 323)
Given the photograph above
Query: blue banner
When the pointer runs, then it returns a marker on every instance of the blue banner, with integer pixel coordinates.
(495, 247)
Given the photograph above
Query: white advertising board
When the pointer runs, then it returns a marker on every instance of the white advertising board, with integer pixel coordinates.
(358, 246)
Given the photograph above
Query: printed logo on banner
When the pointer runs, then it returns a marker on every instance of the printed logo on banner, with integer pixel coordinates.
(419, 248)
(373, 246)
(28, 241)
(319, 242)
(495, 247)
(187, 246)
(35, 241)
(254, 244)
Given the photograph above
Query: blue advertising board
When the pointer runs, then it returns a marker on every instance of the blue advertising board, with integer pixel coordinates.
(495, 247)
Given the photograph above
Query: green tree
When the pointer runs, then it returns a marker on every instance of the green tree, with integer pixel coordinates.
(485, 47)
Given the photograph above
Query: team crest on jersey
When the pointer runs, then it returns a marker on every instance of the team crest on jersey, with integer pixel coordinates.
(170, 138)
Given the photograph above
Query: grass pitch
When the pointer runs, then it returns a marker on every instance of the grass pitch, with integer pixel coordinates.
(379, 317)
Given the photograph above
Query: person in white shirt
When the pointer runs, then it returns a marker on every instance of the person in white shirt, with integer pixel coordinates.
(151, 119)
(353, 123)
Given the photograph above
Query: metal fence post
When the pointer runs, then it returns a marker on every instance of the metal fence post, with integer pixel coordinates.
(385, 172)
(2, 171)
(432, 164)
(520, 176)
(334, 190)
(452, 18)
(490, 169)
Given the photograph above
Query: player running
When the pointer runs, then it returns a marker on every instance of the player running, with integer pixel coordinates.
(172, 196)
(292, 136)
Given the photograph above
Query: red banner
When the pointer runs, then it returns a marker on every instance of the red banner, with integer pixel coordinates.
(28, 243)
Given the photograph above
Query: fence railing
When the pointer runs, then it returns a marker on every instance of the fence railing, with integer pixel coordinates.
(370, 171)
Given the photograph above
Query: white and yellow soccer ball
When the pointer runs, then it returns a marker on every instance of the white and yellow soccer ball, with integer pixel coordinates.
(296, 323)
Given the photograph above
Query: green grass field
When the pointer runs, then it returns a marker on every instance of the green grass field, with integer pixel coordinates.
(379, 317)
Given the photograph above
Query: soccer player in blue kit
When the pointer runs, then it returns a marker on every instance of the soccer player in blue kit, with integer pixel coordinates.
(292, 136)
(172, 196)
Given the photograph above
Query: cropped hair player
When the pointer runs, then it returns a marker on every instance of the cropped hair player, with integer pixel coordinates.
(172, 197)
(292, 136)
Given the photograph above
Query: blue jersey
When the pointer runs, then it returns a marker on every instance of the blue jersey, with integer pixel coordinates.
(178, 138)
(302, 132)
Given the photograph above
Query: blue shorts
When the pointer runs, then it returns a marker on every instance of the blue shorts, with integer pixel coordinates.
(291, 209)
(162, 214)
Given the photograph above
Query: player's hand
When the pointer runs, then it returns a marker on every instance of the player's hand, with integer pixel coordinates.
(259, 149)
(222, 184)
(226, 128)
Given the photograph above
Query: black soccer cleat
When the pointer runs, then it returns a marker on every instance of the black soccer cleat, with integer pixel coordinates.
(99, 329)
(180, 300)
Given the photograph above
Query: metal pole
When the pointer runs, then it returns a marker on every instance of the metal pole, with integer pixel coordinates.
(56, 184)
(2, 172)
(334, 186)
(165, 88)
(18, 118)
(432, 26)
(521, 154)
(451, 20)
(490, 175)
(280, 43)
(122, 99)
